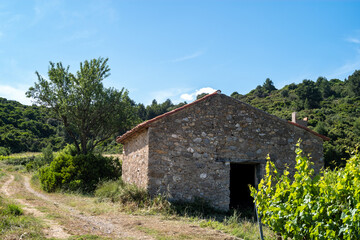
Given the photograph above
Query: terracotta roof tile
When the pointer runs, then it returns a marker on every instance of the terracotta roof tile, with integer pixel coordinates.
(309, 130)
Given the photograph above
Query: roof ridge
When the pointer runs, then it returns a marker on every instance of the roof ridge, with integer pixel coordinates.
(146, 123)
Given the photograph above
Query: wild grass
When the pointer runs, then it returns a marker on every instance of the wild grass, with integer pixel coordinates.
(135, 200)
(15, 225)
(132, 198)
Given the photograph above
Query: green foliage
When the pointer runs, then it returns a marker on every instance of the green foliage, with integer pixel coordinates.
(45, 158)
(80, 172)
(118, 191)
(4, 151)
(269, 85)
(90, 113)
(156, 109)
(14, 210)
(27, 128)
(353, 84)
(311, 207)
(13, 223)
(329, 106)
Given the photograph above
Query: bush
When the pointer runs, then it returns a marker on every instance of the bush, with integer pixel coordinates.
(78, 172)
(4, 151)
(14, 210)
(311, 207)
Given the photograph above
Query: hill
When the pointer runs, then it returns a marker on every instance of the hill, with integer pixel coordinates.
(27, 128)
(331, 106)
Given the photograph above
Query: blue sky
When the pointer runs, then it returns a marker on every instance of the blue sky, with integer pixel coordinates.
(176, 48)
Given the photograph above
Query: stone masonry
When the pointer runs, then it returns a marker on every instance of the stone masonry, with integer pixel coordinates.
(187, 153)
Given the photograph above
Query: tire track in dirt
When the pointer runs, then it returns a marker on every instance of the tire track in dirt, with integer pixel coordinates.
(116, 228)
(54, 230)
(114, 225)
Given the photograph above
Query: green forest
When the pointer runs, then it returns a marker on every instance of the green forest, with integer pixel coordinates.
(331, 106)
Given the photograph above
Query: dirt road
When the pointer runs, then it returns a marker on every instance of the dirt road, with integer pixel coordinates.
(65, 216)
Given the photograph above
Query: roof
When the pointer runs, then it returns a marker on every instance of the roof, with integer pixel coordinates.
(146, 124)
(309, 130)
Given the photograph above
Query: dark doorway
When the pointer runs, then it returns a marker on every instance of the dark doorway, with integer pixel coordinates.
(241, 175)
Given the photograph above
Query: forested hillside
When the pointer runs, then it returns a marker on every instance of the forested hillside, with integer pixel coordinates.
(31, 128)
(332, 107)
(27, 128)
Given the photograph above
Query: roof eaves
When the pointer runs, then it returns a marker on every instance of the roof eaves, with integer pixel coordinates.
(311, 131)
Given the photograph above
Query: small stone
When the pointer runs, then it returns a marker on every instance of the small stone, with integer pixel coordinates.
(203, 134)
(203, 175)
(197, 140)
(249, 120)
(190, 149)
(196, 155)
(174, 136)
(176, 178)
(185, 119)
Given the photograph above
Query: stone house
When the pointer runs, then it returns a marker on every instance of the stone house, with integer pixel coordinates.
(212, 148)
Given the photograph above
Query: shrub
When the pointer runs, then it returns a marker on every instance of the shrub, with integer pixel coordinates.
(311, 207)
(4, 151)
(78, 172)
(14, 210)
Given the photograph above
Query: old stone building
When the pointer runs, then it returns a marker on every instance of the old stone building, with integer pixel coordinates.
(212, 148)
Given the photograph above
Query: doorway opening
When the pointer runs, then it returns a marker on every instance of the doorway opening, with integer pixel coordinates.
(241, 175)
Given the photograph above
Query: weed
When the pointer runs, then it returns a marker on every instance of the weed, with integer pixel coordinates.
(238, 223)
(14, 210)
(88, 237)
(14, 224)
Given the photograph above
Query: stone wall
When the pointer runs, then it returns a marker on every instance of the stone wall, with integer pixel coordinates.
(135, 160)
(190, 151)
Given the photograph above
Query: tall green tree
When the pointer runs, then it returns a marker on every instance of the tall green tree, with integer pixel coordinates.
(90, 112)
(353, 84)
(269, 85)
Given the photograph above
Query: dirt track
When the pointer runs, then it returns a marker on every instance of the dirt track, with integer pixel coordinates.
(71, 221)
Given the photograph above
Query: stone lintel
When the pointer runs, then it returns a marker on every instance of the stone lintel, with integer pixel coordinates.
(244, 161)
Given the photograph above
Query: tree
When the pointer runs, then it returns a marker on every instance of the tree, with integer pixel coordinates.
(201, 95)
(269, 85)
(309, 94)
(324, 87)
(353, 84)
(90, 112)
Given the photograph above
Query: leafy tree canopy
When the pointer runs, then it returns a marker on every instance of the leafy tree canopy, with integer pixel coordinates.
(89, 112)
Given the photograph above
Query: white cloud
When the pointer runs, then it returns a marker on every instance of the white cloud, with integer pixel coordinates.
(16, 94)
(170, 93)
(192, 96)
(353, 40)
(188, 57)
(187, 97)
